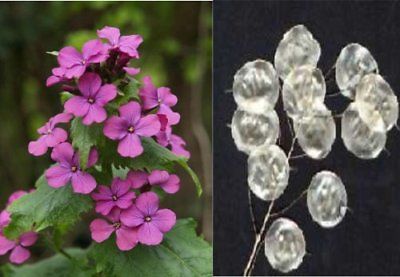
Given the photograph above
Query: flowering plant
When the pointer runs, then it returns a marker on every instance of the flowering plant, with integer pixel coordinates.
(117, 158)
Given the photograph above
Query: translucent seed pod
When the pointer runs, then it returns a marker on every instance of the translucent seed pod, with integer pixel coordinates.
(316, 133)
(251, 130)
(256, 86)
(358, 137)
(268, 172)
(303, 89)
(327, 199)
(353, 63)
(285, 245)
(298, 47)
(377, 103)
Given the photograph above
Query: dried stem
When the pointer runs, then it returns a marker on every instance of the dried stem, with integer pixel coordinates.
(251, 208)
(290, 205)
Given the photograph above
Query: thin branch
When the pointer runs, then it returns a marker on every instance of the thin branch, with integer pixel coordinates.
(251, 208)
(278, 213)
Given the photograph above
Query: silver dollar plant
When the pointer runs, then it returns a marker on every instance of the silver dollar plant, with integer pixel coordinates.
(255, 130)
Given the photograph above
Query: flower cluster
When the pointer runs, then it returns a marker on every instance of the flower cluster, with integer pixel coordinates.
(17, 247)
(134, 219)
(95, 78)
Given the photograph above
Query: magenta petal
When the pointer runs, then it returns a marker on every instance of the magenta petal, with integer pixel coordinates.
(130, 146)
(104, 193)
(92, 48)
(172, 185)
(93, 157)
(69, 56)
(83, 182)
(15, 196)
(5, 244)
(147, 202)
(114, 215)
(132, 70)
(38, 147)
(60, 118)
(96, 114)
(52, 80)
(57, 136)
(116, 128)
(28, 239)
(129, 45)
(58, 176)
(148, 126)
(177, 148)
(125, 201)
(126, 238)
(105, 94)
(158, 176)
(4, 219)
(63, 153)
(131, 112)
(19, 255)
(167, 97)
(148, 94)
(75, 71)
(110, 33)
(100, 230)
(104, 207)
(132, 217)
(137, 178)
(164, 219)
(89, 84)
(149, 234)
(77, 105)
(173, 117)
(120, 187)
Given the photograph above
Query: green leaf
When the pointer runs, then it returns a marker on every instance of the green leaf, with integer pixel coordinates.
(154, 156)
(182, 253)
(64, 96)
(84, 138)
(46, 207)
(127, 92)
(57, 265)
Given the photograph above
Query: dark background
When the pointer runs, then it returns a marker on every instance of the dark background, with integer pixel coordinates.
(367, 241)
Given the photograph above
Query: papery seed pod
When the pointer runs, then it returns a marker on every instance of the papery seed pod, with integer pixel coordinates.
(303, 90)
(298, 47)
(377, 103)
(316, 132)
(268, 172)
(358, 137)
(353, 62)
(285, 245)
(256, 86)
(327, 199)
(251, 130)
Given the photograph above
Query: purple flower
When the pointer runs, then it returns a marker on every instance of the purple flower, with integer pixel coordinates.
(170, 183)
(125, 44)
(137, 178)
(90, 106)
(50, 135)
(68, 169)
(129, 127)
(174, 142)
(74, 63)
(151, 222)
(19, 253)
(118, 195)
(57, 77)
(131, 70)
(162, 98)
(102, 230)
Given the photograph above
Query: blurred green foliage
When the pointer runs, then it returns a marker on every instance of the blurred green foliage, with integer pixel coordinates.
(172, 48)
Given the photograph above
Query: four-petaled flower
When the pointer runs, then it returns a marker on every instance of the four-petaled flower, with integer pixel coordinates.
(162, 98)
(58, 76)
(125, 44)
(174, 142)
(102, 230)
(118, 195)
(50, 135)
(170, 183)
(19, 253)
(90, 106)
(151, 223)
(68, 169)
(75, 63)
(129, 127)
